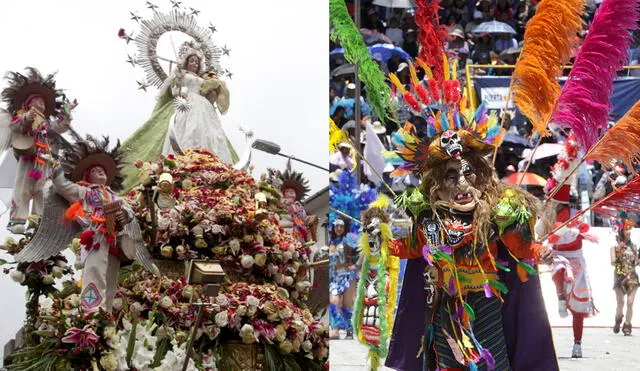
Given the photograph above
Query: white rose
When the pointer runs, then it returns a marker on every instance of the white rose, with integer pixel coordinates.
(187, 292)
(166, 251)
(279, 278)
(260, 259)
(74, 301)
(307, 346)
(135, 308)
(281, 333)
(180, 250)
(286, 313)
(252, 311)
(287, 255)
(45, 302)
(253, 301)
(222, 300)
(272, 269)
(17, 276)
(234, 244)
(242, 310)
(286, 346)
(295, 266)
(166, 302)
(222, 318)
(109, 362)
(247, 334)
(288, 280)
(163, 223)
(246, 261)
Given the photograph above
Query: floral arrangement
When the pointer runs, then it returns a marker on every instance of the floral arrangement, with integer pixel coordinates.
(150, 326)
(217, 216)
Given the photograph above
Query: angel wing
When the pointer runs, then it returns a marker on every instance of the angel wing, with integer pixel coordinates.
(133, 236)
(52, 235)
(5, 130)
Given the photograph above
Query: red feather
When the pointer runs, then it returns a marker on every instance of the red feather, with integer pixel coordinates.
(451, 91)
(412, 102)
(422, 93)
(625, 198)
(431, 35)
(434, 89)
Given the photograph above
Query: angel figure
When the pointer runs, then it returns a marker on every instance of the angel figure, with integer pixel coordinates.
(302, 226)
(36, 112)
(86, 179)
(186, 115)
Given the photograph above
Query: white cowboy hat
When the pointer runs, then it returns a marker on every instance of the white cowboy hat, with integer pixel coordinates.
(378, 128)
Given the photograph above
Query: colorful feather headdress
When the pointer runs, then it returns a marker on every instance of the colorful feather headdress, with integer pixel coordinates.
(449, 135)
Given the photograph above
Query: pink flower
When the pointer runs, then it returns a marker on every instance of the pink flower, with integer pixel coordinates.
(82, 338)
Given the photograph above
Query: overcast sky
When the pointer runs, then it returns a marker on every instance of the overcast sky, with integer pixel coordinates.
(278, 89)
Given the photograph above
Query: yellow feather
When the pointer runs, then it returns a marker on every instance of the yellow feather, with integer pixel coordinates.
(445, 66)
(424, 66)
(394, 79)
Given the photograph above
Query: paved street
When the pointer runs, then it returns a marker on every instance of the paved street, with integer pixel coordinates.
(602, 350)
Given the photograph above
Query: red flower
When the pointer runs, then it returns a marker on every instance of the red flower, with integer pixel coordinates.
(81, 338)
(121, 33)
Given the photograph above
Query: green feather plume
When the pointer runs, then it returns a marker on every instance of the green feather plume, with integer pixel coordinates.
(356, 52)
(530, 270)
(499, 286)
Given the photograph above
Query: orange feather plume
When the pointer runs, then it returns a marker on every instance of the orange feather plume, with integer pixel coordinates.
(621, 142)
(549, 41)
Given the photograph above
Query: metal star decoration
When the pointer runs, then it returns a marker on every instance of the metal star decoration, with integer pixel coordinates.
(142, 85)
(225, 50)
(151, 6)
(194, 11)
(128, 38)
(131, 60)
(176, 3)
(229, 74)
(135, 17)
(212, 28)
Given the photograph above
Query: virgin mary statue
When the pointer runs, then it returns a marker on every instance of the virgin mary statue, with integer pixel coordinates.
(185, 116)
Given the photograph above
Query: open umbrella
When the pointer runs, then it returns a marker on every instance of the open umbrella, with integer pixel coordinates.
(345, 69)
(405, 4)
(381, 52)
(544, 150)
(493, 27)
(511, 51)
(530, 179)
(514, 140)
(374, 37)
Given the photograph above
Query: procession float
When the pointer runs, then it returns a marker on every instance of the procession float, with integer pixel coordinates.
(182, 259)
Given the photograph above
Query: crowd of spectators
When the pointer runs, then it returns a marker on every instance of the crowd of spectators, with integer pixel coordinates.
(397, 26)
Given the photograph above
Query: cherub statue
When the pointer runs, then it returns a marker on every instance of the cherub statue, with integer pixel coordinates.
(36, 111)
(86, 179)
(298, 223)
